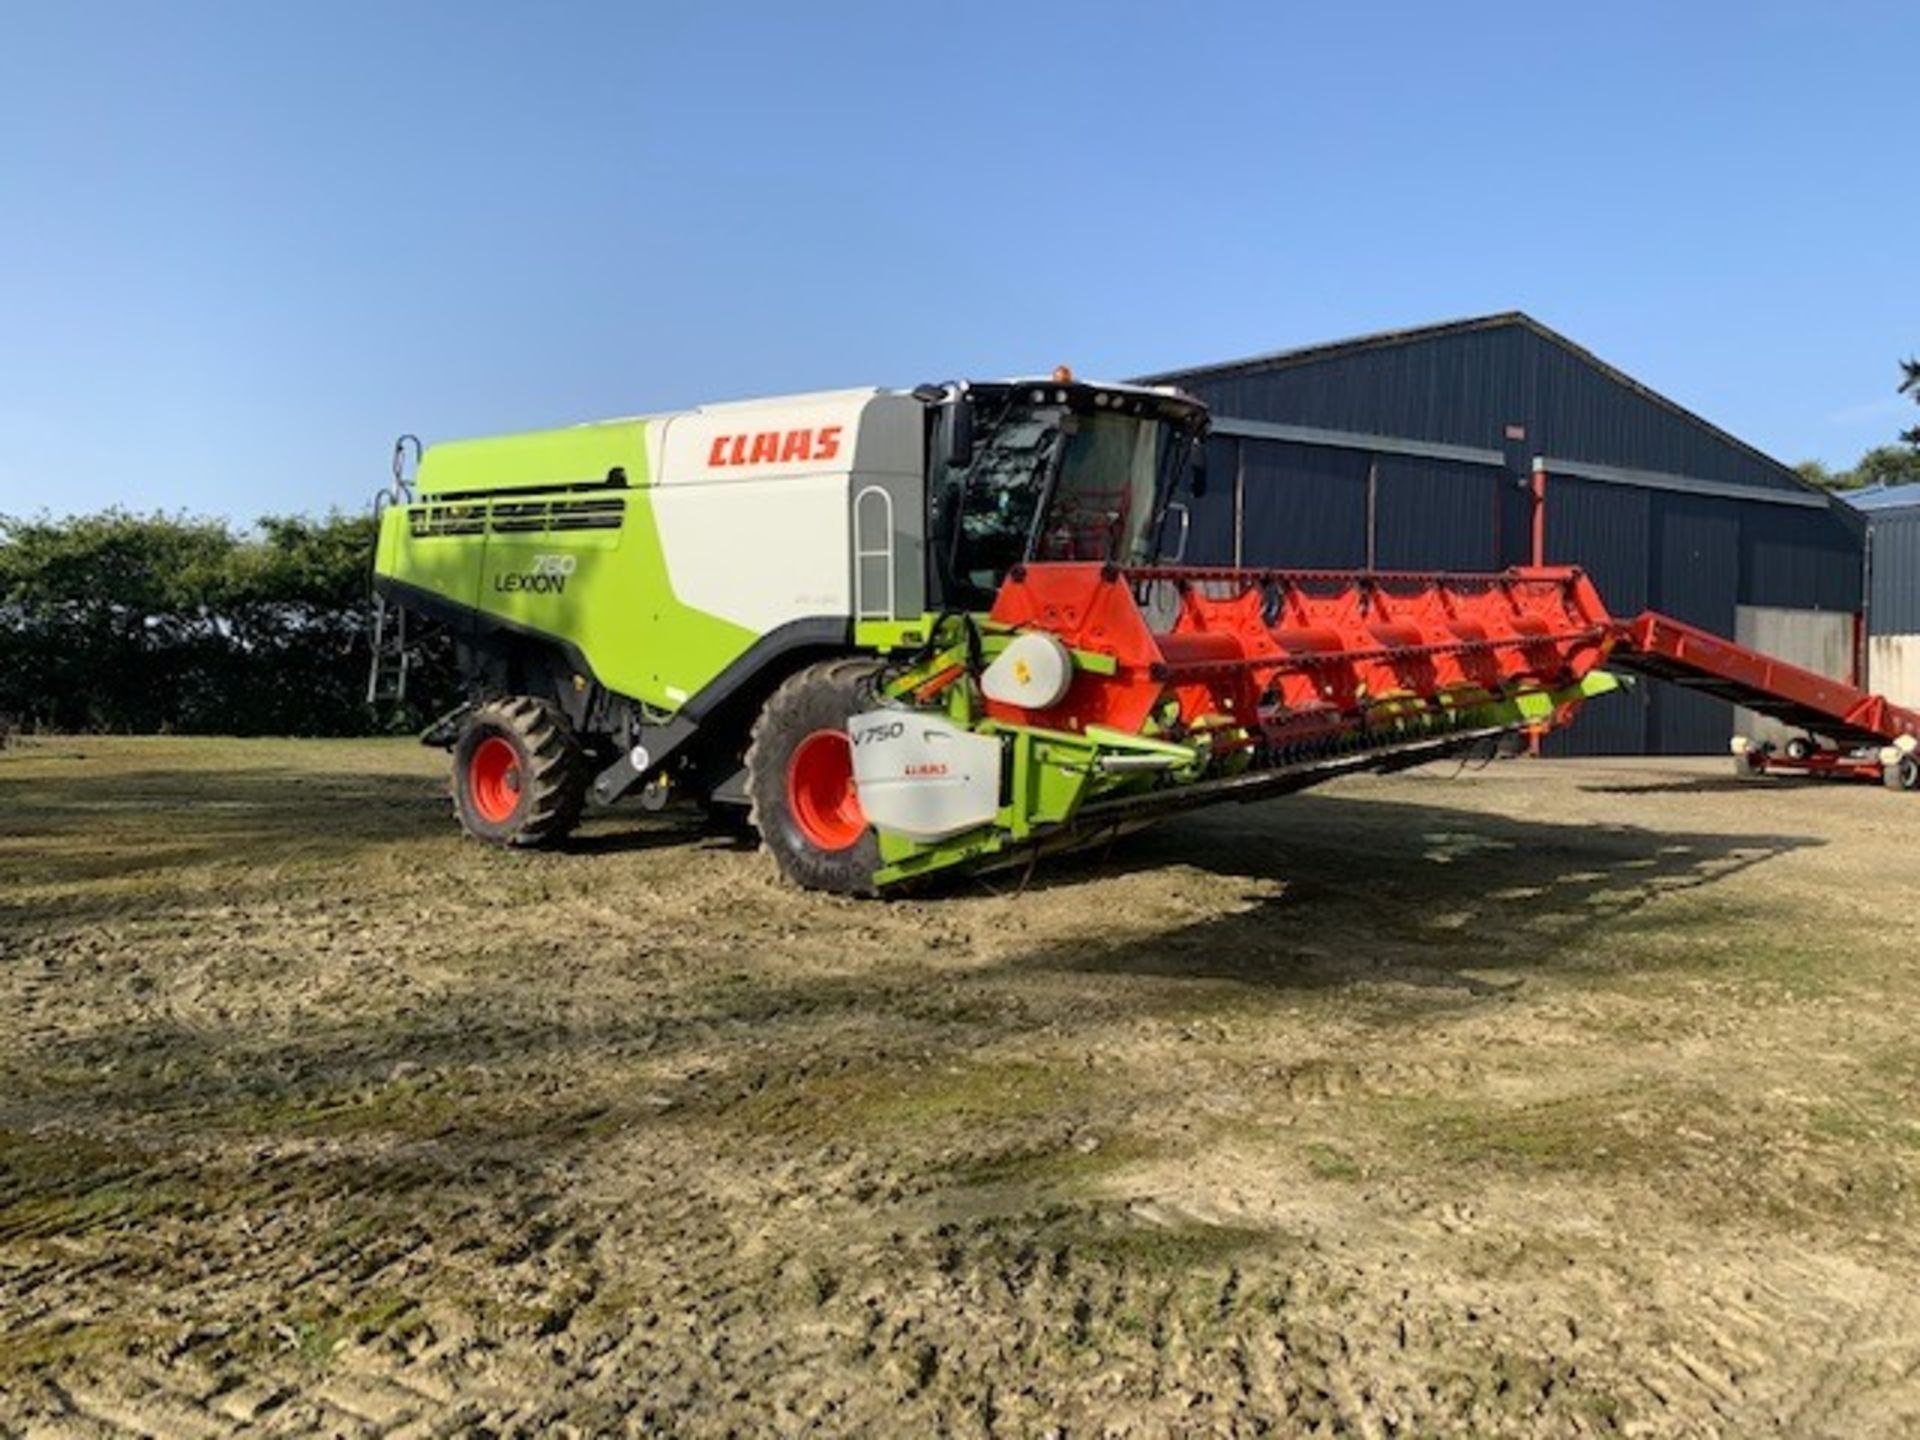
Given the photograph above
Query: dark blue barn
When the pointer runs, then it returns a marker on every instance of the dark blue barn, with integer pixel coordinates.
(1412, 450)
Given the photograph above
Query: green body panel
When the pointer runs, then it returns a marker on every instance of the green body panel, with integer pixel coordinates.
(537, 460)
(499, 555)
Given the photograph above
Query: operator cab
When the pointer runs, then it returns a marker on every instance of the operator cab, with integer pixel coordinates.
(1048, 470)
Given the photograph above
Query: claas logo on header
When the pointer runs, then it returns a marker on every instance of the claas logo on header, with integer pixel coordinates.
(774, 447)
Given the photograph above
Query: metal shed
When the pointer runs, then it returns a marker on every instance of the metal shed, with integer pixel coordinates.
(1892, 515)
(1416, 449)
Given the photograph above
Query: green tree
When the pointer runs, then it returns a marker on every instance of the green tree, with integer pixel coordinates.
(103, 617)
(1814, 473)
(152, 623)
(1888, 465)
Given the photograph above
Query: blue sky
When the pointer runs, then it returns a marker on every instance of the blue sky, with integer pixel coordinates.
(243, 245)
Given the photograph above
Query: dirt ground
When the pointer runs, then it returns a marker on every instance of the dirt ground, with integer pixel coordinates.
(1549, 1099)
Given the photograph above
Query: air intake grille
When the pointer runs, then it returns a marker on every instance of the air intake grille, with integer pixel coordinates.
(516, 517)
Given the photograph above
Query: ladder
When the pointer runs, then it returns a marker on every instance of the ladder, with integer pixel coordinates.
(391, 658)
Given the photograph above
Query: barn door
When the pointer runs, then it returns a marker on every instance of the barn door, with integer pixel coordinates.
(1696, 578)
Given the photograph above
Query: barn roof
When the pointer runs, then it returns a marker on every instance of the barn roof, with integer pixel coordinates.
(1503, 320)
(1884, 497)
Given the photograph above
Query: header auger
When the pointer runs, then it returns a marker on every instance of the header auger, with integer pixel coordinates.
(907, 634)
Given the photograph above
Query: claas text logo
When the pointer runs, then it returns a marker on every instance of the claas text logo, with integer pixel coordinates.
(774, 447)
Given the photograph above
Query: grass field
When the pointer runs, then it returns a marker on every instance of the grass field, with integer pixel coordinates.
(1549, 1099)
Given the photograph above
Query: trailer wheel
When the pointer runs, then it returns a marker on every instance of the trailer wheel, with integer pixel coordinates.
(1903, 774)
(519, 775)
(800, 779)
(1799, 748)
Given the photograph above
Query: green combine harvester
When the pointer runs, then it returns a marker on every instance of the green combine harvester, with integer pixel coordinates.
(906, 633)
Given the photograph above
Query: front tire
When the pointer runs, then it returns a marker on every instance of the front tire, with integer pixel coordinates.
(800, 779)
(519, 774)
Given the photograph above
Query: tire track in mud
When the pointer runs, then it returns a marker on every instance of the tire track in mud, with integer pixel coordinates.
(1021, 1319)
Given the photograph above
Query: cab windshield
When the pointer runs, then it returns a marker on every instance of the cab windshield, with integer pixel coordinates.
(1055, 482)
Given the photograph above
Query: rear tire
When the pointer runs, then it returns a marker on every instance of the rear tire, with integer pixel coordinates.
(519, 774)
(800, 779)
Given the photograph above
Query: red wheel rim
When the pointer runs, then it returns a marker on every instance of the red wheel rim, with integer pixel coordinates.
(820, 791)
(493, 779)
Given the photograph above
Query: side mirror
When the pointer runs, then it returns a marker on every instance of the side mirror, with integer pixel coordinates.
(960, 432)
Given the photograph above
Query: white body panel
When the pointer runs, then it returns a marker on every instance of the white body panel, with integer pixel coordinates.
(754, 502)
(920, 776)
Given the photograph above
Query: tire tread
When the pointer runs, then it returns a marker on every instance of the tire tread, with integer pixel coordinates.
(556, 773)
(852, 676)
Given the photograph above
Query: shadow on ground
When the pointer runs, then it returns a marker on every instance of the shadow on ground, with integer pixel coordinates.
(524, 1066)
(1416, 894)
(1719, 785)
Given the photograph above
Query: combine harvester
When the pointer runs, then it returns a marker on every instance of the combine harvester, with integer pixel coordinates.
(907, 634)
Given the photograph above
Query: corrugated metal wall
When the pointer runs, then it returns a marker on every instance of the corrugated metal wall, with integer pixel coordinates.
(1210, 536)
(1695, 577)
(1610, 529)
(1464, 386)
(1798, 559)
(1697, 557)
(1894, 607)
(1305, 505)
(1435, 515)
